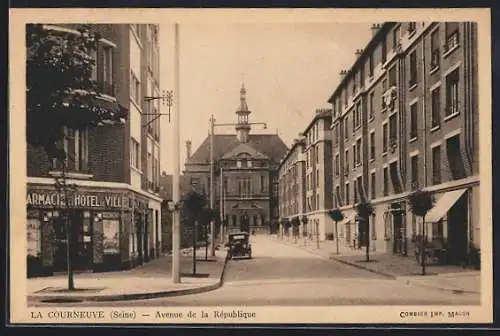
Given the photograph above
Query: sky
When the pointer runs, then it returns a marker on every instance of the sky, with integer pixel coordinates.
(289, 70)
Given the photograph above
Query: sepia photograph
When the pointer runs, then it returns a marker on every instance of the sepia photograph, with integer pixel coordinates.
(236, 166)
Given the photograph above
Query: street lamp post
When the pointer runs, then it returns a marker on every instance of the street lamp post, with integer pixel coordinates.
(212, 197)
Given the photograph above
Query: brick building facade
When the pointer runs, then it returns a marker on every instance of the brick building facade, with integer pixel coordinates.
(405, 116)
(116, 209)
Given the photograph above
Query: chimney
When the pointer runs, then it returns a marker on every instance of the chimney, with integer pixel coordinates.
(358, 52)
(342, 74)
(188, 150)
(375, 28)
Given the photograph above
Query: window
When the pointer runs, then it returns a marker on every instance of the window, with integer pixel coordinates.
(456, 164)
(384, 138)
(106, 80)
(393, 129)
(111, 236)
(436, 165)
(150, 170)
(226, 182)
(249, 163)
(358, 152)
(238, 163)
(452, 93)
(414, 172)
(396, 35)
(317, 153)
(413, 121)
(345, 96)
(370, 66)
(435, 56)
(384, 50)
(386, 181)
(244, 187)
(355, 190)
(346, 128)
(354, 151)
(262, 183)
(435, 107)
(451, 35)
(372, 109)
(412, 27)
(392, 76)
(354, 85)
(347, 201)
(373, 185)
(372, 145)
(413, 68)
(357, 116)
(135, 153)
(135, 88)
(337, 164)
(34, 237)
(75, 144)
(317, 177)
(346, 161)
(337, 196)
(384, 85)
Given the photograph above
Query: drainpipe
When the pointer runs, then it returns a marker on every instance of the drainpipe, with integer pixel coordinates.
(424, 100)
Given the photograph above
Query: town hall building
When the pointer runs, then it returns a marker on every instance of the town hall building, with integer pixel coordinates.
(245, 173)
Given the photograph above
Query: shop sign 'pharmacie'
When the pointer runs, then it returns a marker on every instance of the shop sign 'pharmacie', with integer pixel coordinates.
(79, 200)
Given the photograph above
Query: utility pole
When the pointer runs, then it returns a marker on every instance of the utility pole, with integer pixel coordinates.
(212, 198)
(176, 229)
(221, 212)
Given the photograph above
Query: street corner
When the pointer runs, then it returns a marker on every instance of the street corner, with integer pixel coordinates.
(107, 294)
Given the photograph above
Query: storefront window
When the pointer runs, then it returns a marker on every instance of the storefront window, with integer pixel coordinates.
(34, 243)
(111, 236)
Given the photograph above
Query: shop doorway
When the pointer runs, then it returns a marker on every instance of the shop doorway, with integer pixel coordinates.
(398, 234)
(245, 223)
(457, 232)
(81, 238)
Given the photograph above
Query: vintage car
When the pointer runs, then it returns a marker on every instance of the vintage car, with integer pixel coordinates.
(239, 245)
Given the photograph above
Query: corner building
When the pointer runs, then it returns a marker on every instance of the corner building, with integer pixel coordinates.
(405, 116)
(115, 211)
(306, 178)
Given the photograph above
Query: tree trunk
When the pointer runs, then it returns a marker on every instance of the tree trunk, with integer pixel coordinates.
(194, 247)
(337, 236)
(422, 252)
(367, 237)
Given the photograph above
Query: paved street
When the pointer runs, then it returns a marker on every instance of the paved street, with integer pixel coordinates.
(281, 274)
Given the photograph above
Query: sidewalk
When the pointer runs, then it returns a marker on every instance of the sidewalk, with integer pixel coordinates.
(443, 277)
(150, 280)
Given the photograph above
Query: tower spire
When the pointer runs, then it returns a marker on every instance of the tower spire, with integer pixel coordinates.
(243, 127)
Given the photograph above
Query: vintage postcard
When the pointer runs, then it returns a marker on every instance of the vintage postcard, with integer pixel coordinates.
(247, 166)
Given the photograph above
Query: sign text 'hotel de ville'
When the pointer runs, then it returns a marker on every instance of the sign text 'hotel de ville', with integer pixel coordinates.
(79, 200)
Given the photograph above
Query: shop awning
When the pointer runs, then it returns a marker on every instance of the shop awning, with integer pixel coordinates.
(444, 204)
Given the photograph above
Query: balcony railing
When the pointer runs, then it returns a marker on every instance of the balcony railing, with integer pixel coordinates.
(451, 41)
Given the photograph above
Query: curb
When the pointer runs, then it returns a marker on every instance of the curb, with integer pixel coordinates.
(443, 289)
(386, 275)
(137, 296)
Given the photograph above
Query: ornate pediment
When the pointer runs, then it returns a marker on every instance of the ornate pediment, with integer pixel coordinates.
(244, 151)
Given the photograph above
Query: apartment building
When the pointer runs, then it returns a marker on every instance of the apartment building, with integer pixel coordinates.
(306, 177)
(405, 116)
(292, 183)
(116, 208)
